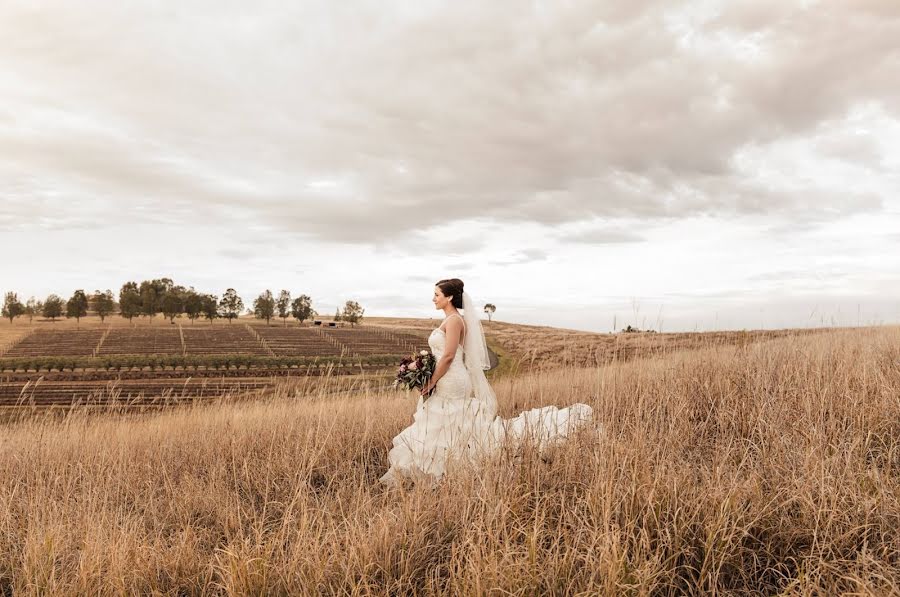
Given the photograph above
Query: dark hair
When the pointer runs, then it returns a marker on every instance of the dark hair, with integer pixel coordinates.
(452, 287)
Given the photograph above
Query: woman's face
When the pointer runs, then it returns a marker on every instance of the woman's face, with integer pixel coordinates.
(440, 301)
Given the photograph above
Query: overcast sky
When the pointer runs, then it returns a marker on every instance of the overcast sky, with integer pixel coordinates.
(683, 165)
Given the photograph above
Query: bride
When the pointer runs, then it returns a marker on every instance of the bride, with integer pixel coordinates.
(456, 414)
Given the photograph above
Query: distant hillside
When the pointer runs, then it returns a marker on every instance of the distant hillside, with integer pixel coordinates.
(527, 347)
(515, 347)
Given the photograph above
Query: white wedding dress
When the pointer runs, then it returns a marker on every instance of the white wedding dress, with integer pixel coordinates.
(453, 423)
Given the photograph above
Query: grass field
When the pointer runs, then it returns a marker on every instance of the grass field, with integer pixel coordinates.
(10, 334)
(754, 468)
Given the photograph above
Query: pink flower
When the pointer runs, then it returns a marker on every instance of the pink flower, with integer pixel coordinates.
(413, 366)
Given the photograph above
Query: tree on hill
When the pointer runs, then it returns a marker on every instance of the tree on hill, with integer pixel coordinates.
(193, 305)
(152, 293)
(53, 307)
(301, 308)
(284, 305)
(264, 306)
(77, 306)
(352, 312)
(210, 306)
(130, 301)
(231, 305)
(490, 310)
(12, 307)
(149, 300)
(172, 304)
(33, 307)
(104, 303)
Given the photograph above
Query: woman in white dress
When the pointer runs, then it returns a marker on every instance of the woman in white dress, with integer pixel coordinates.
(459, 417)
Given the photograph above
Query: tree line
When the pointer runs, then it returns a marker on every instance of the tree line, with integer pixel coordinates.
(150, 298)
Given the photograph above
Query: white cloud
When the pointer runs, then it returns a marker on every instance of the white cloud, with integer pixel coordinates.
(510, 142)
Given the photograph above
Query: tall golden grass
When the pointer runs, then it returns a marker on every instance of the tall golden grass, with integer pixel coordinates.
(770, 467)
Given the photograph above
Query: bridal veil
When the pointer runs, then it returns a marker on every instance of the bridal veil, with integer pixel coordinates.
(476, 356)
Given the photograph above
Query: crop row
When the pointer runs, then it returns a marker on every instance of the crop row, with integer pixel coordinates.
(106, 375)
(125, 362)
(42, 394)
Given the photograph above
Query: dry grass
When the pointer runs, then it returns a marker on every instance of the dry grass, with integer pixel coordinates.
(10, 334)
(759, 468)
(534, 347)
(537, 346)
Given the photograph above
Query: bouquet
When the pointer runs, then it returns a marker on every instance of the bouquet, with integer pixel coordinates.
(416, 371)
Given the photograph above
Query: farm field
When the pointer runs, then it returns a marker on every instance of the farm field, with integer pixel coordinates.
(139, 389)
(746, 468)
(150, 363)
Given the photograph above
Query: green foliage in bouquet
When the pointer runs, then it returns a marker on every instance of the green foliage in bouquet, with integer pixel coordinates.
(416, 371)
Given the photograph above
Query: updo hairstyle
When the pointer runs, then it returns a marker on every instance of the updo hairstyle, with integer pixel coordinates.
(452, 287)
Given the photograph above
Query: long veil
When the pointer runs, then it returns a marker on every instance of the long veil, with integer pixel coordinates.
(476, 357)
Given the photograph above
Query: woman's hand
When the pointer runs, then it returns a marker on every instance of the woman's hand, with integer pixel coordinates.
(427, 390)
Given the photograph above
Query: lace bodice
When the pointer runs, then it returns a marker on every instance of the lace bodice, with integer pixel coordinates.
(455, 383)
(437, 341)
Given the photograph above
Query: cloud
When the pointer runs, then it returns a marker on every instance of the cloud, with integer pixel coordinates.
(719, 147)
(459, 266)
(419, 278)
(602, 236)
(370, 123)
(525, 256)
(851, 147)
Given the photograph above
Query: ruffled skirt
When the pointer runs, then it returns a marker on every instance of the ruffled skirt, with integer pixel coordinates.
(453, 424)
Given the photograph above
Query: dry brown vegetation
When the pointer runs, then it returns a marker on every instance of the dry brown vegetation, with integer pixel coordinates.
(532, 347)
(746, 468)
(11, 334)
